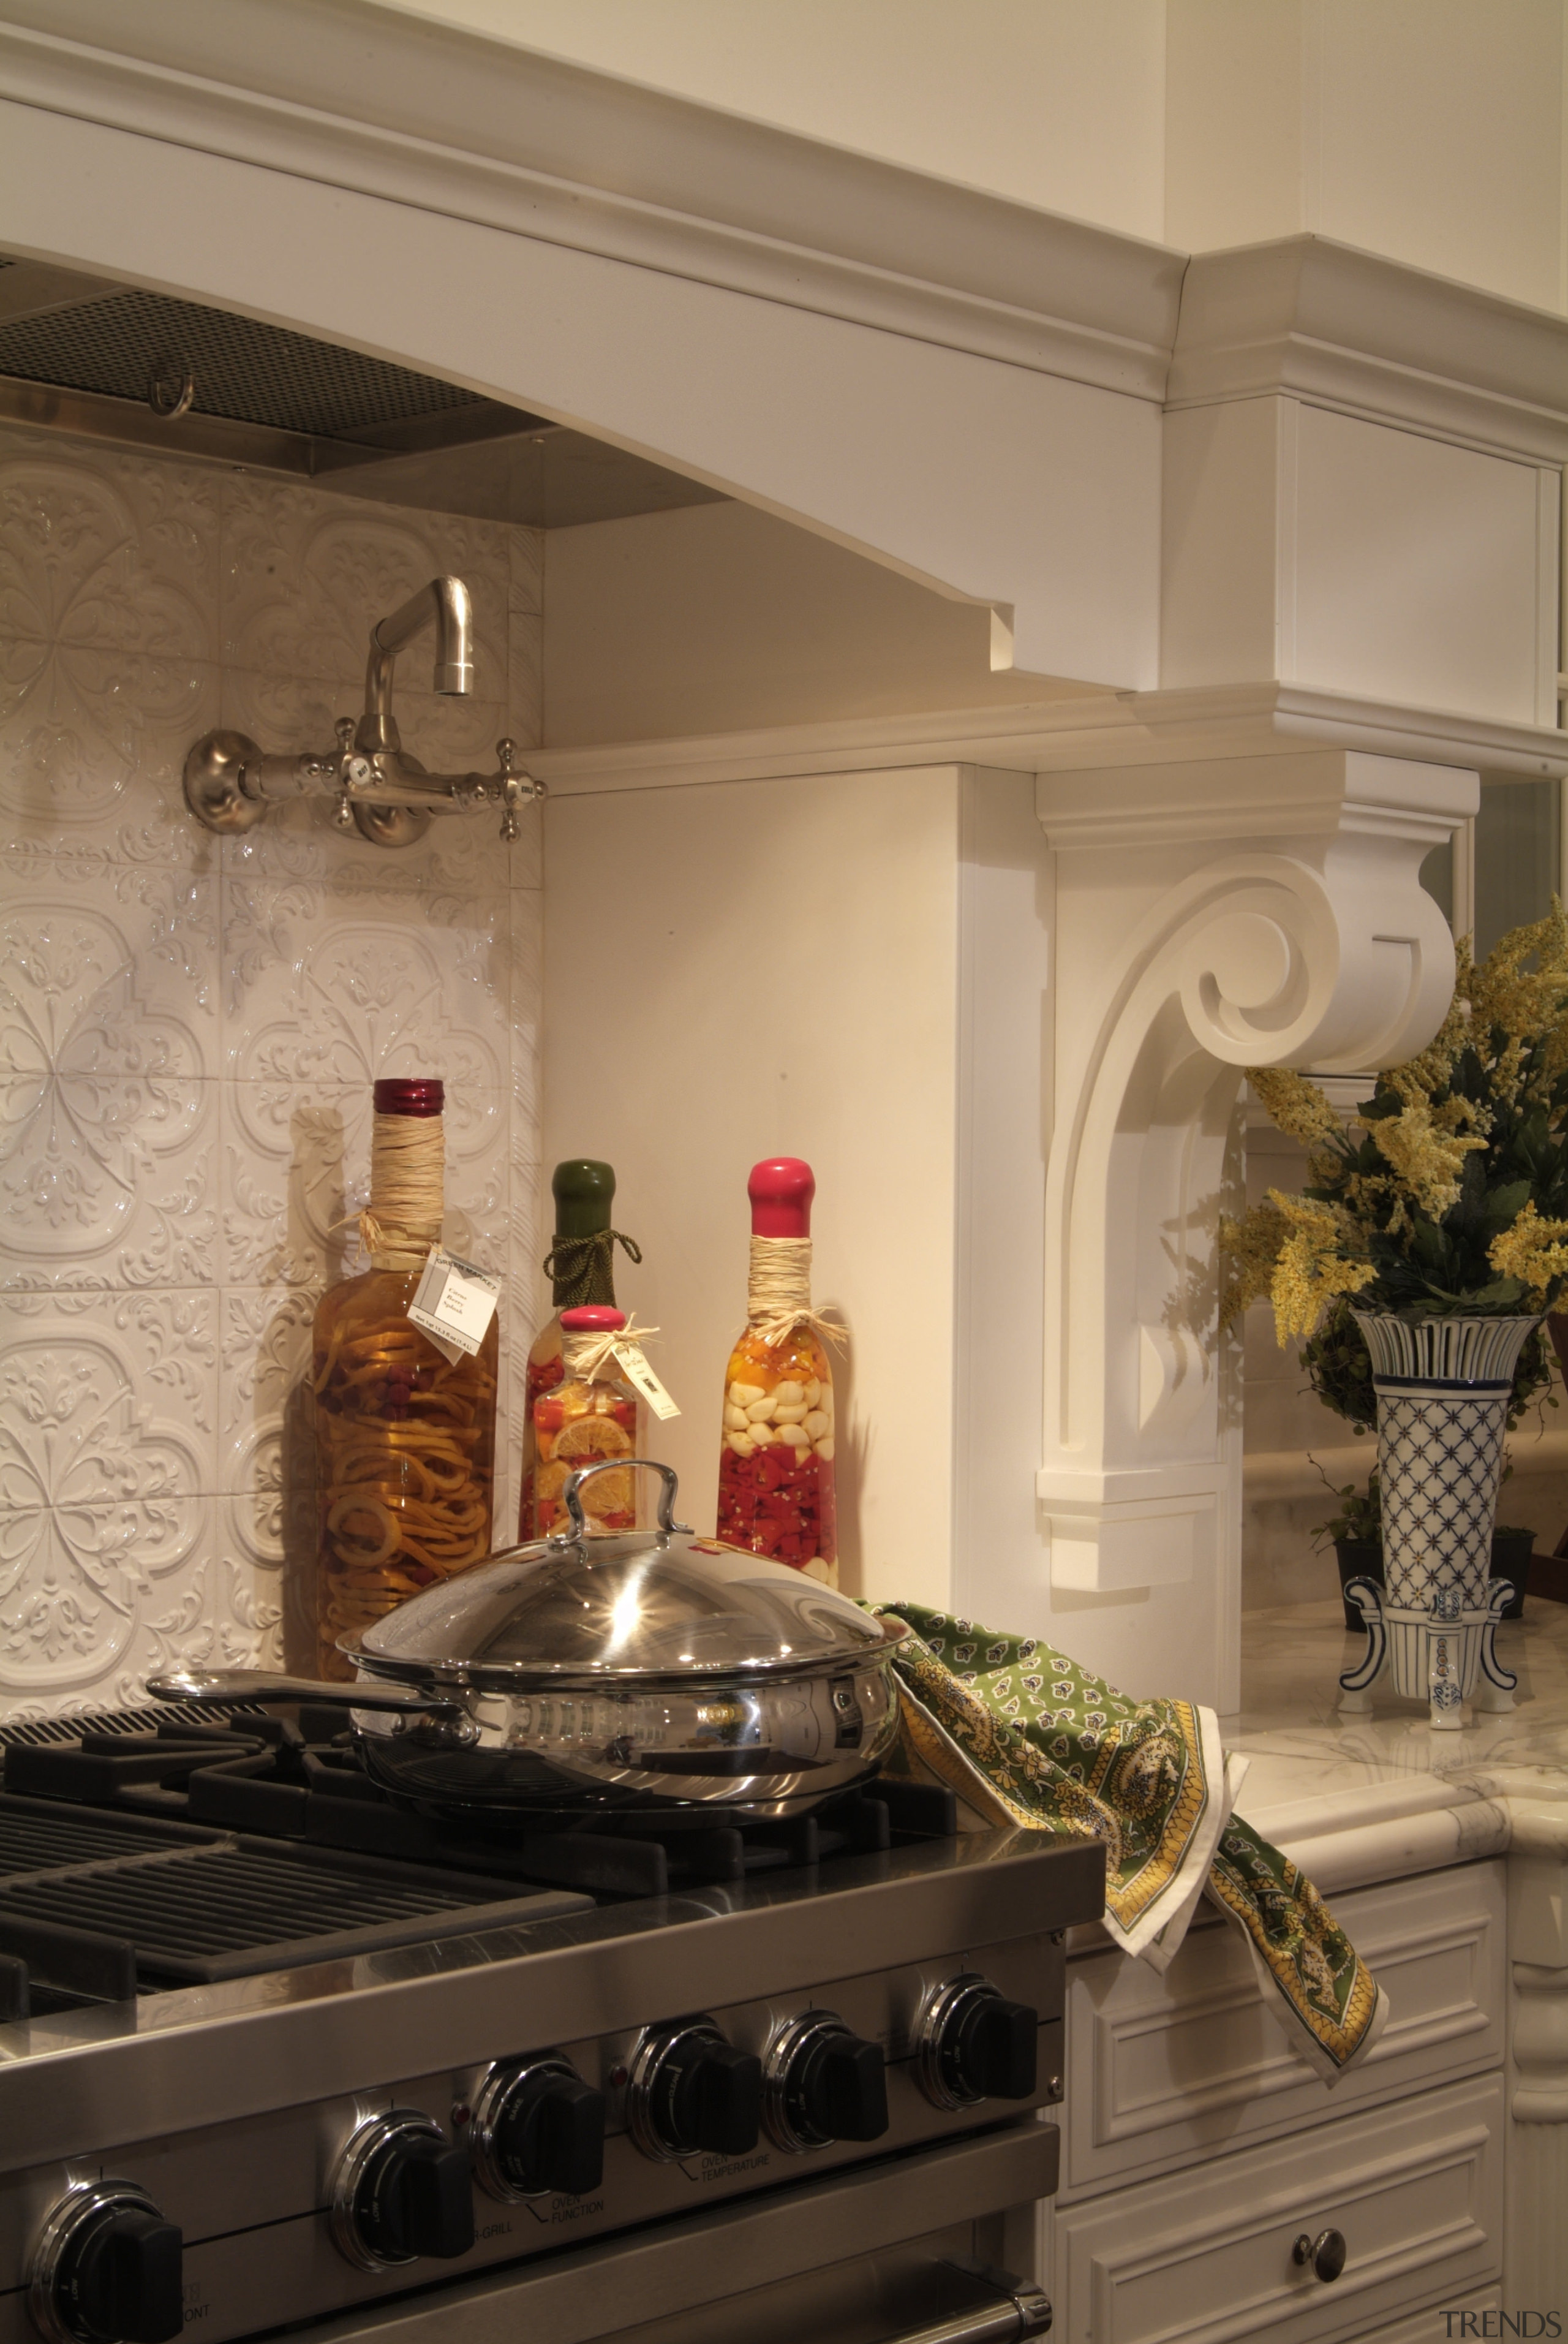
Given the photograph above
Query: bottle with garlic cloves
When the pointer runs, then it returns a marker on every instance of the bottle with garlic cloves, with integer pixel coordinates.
(404, 1424)
(776, 1491)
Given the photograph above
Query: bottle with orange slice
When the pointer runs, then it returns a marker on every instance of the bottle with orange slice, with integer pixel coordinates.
(776, 1488)
(580, 1265)
(590, 1415)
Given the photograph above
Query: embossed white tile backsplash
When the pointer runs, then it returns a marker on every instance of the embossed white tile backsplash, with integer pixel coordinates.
(189, 1031)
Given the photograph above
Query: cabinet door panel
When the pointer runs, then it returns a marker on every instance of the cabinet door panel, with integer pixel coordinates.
(1204, 2257)
(1161, 2070)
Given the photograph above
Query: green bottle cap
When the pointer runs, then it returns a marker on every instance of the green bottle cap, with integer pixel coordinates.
(584, 1192)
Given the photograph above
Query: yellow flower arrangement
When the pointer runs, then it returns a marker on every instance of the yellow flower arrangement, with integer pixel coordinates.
(1447, 1191)
(1534, 1251)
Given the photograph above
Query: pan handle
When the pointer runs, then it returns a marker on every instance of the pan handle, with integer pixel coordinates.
(572, 1501)
(265, 1684)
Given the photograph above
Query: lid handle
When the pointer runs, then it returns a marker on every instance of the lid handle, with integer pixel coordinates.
(573, 1503)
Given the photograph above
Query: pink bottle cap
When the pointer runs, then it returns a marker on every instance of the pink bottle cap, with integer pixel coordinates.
(781, 1190)
(593, 1318)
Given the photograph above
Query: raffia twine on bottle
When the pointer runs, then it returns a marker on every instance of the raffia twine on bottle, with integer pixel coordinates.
(589, 1352)
(408, 1191)
(778, 1294)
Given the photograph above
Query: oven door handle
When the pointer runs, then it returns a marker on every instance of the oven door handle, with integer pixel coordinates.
(1018, 2308)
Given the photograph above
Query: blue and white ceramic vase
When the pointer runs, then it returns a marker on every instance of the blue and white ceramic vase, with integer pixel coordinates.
(1443, 1387)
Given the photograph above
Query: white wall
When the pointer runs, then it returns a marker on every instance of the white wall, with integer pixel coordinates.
(189, 1030)
(1430, 130)
(742, 969)
(1055, 102)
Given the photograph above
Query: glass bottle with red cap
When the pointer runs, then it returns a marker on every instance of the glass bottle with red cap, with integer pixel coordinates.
(776, 1489)
(588, 1418)
(404, 1435)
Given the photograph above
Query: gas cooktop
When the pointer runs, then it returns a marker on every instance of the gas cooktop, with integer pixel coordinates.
(277, 2048)
(145, 1849)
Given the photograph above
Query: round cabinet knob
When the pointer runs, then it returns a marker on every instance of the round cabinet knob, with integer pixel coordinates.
(691, 2091)
(106, 2269)
(402, 2191)
(973, 2045)
(822, 2083)
(539, 2129)
(1325, 2253)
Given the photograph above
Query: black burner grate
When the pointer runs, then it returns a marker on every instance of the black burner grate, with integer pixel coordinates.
(99, 1907)
(34, 1839)
(302, 1782)
(232, 1909)
(35, 1732)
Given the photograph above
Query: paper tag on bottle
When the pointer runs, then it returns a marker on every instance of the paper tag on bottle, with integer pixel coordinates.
(453, 1304)
(634, 1360)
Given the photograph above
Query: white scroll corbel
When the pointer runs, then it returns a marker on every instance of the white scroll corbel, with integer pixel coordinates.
(1209, 917)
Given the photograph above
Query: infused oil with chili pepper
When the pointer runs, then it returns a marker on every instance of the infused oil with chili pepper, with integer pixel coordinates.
(405, 1436)
(776, 1491)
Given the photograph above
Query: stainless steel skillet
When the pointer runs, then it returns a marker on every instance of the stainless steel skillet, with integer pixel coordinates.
(580, 1674)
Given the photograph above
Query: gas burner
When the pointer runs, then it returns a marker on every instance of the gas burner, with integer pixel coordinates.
(140, 1851)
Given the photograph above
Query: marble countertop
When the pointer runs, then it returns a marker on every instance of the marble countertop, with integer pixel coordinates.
(1362, 1798)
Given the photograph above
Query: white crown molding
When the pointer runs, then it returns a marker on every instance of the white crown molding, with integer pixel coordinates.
(1373, 338)
(485, 131)
(1317, 792)
(1066, 735)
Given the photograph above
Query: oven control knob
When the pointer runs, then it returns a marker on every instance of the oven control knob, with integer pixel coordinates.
(822, 2083)
(106, 2269)
(401, 2191)
(973, 2045)
(692, 2092)
(537, 2129)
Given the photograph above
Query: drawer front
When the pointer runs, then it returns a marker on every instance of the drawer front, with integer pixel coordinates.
(1431, 2327)
(1204, 2257)
(1193, 2064)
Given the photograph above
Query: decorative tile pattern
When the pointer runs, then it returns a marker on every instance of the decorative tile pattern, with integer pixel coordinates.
(188, 1034)
(106, 1448)
(108, 641)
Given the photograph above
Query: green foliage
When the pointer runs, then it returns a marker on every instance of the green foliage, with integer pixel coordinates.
(1358, 1518)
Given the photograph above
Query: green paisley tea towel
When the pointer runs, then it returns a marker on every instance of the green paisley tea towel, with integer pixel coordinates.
(1025, 1736)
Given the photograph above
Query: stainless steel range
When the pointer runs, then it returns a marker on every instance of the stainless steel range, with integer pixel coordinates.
(283, 2052)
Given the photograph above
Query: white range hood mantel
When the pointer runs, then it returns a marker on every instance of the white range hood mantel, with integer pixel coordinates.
(1297, 506)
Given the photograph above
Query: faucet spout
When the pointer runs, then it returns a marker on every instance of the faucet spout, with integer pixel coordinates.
(444, 604)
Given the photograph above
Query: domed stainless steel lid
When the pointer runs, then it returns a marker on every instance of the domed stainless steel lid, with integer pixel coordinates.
(585, 1611)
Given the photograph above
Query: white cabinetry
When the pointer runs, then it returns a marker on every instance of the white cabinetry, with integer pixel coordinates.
(1197, 2150)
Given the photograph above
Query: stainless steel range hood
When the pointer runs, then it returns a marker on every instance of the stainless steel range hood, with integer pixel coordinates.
(101, 360)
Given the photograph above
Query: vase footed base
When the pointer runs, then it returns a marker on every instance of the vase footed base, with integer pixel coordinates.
(1444, 1658)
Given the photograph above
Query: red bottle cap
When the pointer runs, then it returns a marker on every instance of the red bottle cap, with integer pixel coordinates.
(408, 1095)
(593, 1318)
(781, 1190)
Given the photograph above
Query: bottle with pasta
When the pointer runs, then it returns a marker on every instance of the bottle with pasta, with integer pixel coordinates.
(405, 1422)
(776, 1492)
(591, 1415)
(580, 1265)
